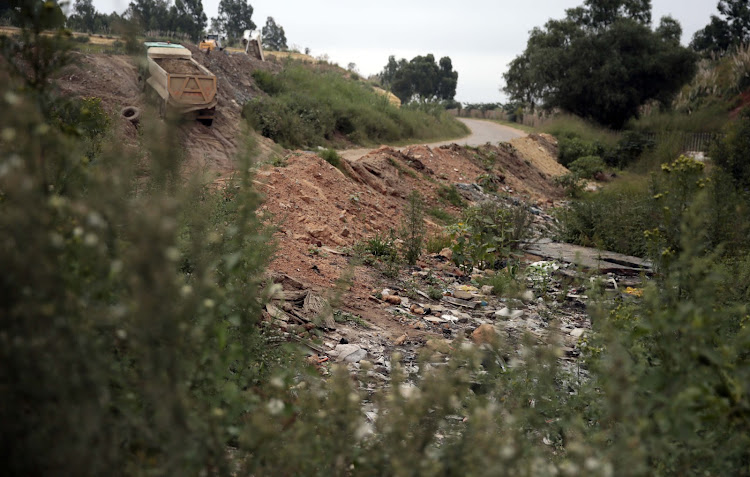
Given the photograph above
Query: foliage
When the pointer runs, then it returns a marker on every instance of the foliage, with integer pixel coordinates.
(450, 194)
(488, 234)
(733, 154)
(420, 78)
(730, 30)
(413, 228)
(132, 342)
(572, 183)
(641, 218)
(332, 157)
(436, 243)
(504, 283)
(441, 214)
(608, 46)
(235, 16)
(310, 107)
(267, 82)
(274, 37)
(182, 16)
(587, 166)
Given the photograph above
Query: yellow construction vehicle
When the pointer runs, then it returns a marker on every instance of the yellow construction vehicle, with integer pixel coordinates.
(211, 42)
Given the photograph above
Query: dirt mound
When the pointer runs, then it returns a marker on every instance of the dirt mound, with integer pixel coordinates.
(211, 150)
(541, 150)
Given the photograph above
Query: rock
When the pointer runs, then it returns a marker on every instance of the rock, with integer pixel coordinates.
(345, 232)
(508, 313)
(464, 303)
(577, 332)
(440, 346)
(392, 299)
(487, 289)
(434, 320)
(462, 295)
(350, 353)
(485, 334)
(447, 253)
(528, 295)
(417, 310)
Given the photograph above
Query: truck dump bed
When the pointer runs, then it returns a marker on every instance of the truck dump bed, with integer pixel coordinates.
(180, 81)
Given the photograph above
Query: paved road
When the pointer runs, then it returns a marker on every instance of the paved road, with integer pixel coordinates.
(482, 132)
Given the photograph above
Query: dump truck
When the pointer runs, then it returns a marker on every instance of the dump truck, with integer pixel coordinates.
(179, 83)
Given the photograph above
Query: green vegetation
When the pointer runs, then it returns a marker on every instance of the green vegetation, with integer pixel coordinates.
(587, 166)
(420, 78)
(450, 194)
(307, 107)
(273, 36)
(611, 48)
(488, 234)
(413, 228)
(730, 30)
(332, 157)
(132, 340)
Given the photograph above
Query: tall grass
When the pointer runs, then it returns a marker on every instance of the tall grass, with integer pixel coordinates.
(567, 125)
(307, 107)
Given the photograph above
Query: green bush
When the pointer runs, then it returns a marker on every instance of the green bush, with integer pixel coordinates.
(267, 82)
(488, 234)
(733, 154)
(331, 156)
(587, 166)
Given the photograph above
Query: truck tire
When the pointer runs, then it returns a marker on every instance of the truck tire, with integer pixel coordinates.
(132, 114)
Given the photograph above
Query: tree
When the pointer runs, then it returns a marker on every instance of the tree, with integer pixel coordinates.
(420, 78)
(188, 17)
(151, 14)
(730, 30)
(274, 37)
(602, 61)
(84, 16)
(235, 16)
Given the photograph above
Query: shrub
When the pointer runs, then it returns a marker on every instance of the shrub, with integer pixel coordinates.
(488, 234)
(267, 82)
(438, 242)
(450, 194)
(573, 148)
(587, 166)
(413, 228)
(332, 157)
(733, 154)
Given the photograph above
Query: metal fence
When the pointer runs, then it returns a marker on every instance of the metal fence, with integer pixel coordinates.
(698, 142)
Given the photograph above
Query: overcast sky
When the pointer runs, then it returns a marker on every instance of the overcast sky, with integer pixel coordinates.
(480, 36)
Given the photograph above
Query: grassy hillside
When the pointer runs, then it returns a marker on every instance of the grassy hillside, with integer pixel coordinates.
(307, 107)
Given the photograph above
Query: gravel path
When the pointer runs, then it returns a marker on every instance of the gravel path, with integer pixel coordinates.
(482, 132)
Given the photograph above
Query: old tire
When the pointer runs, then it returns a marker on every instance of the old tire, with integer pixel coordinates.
(132, 114)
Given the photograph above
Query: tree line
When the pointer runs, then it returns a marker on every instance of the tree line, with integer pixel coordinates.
(182, 17)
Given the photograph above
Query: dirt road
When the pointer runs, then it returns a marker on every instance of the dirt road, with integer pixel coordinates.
(482, 132)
